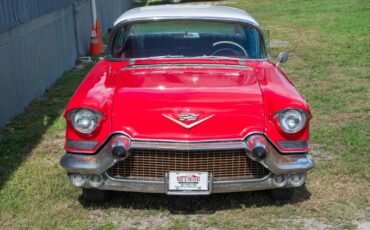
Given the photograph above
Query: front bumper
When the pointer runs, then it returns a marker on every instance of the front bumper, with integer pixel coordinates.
(148, 186)
(98, 164)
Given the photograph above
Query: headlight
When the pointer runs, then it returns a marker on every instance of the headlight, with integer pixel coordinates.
(292, 120)
(84, 120)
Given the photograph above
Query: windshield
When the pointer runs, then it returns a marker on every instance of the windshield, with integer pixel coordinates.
(187, 39)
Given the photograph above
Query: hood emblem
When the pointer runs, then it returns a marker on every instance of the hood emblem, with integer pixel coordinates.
(186, 117)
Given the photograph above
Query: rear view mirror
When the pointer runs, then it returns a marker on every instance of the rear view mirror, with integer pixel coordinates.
(283, 57)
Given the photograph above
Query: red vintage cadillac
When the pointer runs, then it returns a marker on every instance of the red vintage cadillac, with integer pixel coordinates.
(186, 102)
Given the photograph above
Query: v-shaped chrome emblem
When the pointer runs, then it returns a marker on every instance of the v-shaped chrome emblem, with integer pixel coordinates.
(187, 126)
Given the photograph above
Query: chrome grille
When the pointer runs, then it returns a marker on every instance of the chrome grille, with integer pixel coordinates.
(155, 163)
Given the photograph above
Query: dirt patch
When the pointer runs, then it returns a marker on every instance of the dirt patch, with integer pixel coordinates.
(52, 144)
(274, 43)
(301, 223)
(151, 222)
(319, 155)
(157, 222)
(312, 224)
(363, 226)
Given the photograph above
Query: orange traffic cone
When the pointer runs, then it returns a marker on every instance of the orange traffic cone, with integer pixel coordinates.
(100, 35)
(94, 43)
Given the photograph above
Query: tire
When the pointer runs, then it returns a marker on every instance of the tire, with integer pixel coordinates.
(282, 194)
(174, 1)
(94, 195)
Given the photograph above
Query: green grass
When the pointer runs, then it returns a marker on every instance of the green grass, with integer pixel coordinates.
(329, 63)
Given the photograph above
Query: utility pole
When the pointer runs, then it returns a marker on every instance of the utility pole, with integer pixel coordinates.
(93, 10)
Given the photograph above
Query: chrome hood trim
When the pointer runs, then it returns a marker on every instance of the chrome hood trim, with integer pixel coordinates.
(196, 66)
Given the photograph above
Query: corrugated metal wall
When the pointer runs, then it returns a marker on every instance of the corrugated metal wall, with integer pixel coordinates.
(42, 43)
(15, 12)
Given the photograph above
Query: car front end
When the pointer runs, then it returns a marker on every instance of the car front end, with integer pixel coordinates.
(145, 166)
(187, 106)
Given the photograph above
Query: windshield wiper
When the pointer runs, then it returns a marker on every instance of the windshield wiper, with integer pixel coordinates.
(163, 56)
(216, 57)
(182, 56)
(132, 60)
(221, 57)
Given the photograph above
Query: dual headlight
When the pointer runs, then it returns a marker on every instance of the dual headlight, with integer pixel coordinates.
(292, 120)
(84, 120)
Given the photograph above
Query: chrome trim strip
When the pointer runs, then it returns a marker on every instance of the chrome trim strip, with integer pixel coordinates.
(242, 180)
(124, 180)
(159, 186)
(214, 181)
(284, 151)
(84, 145)
(294, 144)
(132, 60)
(168, 66)
(182, 141)
(188, 146)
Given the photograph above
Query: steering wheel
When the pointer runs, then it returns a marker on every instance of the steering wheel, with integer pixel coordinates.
(229, 49)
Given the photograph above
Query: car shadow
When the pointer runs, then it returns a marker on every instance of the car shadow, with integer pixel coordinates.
(20, 136)
(194, 204)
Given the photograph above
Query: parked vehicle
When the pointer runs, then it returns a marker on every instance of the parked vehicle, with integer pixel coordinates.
(174, 1)
(187, 102)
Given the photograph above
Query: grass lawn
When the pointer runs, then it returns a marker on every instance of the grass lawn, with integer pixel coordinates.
(329, 47)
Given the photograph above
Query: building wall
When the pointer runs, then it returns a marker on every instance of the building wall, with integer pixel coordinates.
(16, 12)
(34, 54)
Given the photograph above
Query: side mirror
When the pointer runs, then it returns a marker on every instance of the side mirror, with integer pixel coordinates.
(283, 57)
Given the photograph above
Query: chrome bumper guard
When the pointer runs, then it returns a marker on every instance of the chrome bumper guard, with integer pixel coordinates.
(149, 186)
(99, 163)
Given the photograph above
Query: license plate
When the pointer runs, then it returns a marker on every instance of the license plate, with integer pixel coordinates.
(188, 181)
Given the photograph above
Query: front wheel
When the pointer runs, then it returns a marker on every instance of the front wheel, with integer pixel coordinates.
(94, 195)
(284, 194)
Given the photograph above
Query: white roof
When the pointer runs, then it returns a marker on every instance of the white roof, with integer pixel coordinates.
(196, 11)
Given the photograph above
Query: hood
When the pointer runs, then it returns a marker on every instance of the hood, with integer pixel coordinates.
(187, 104)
